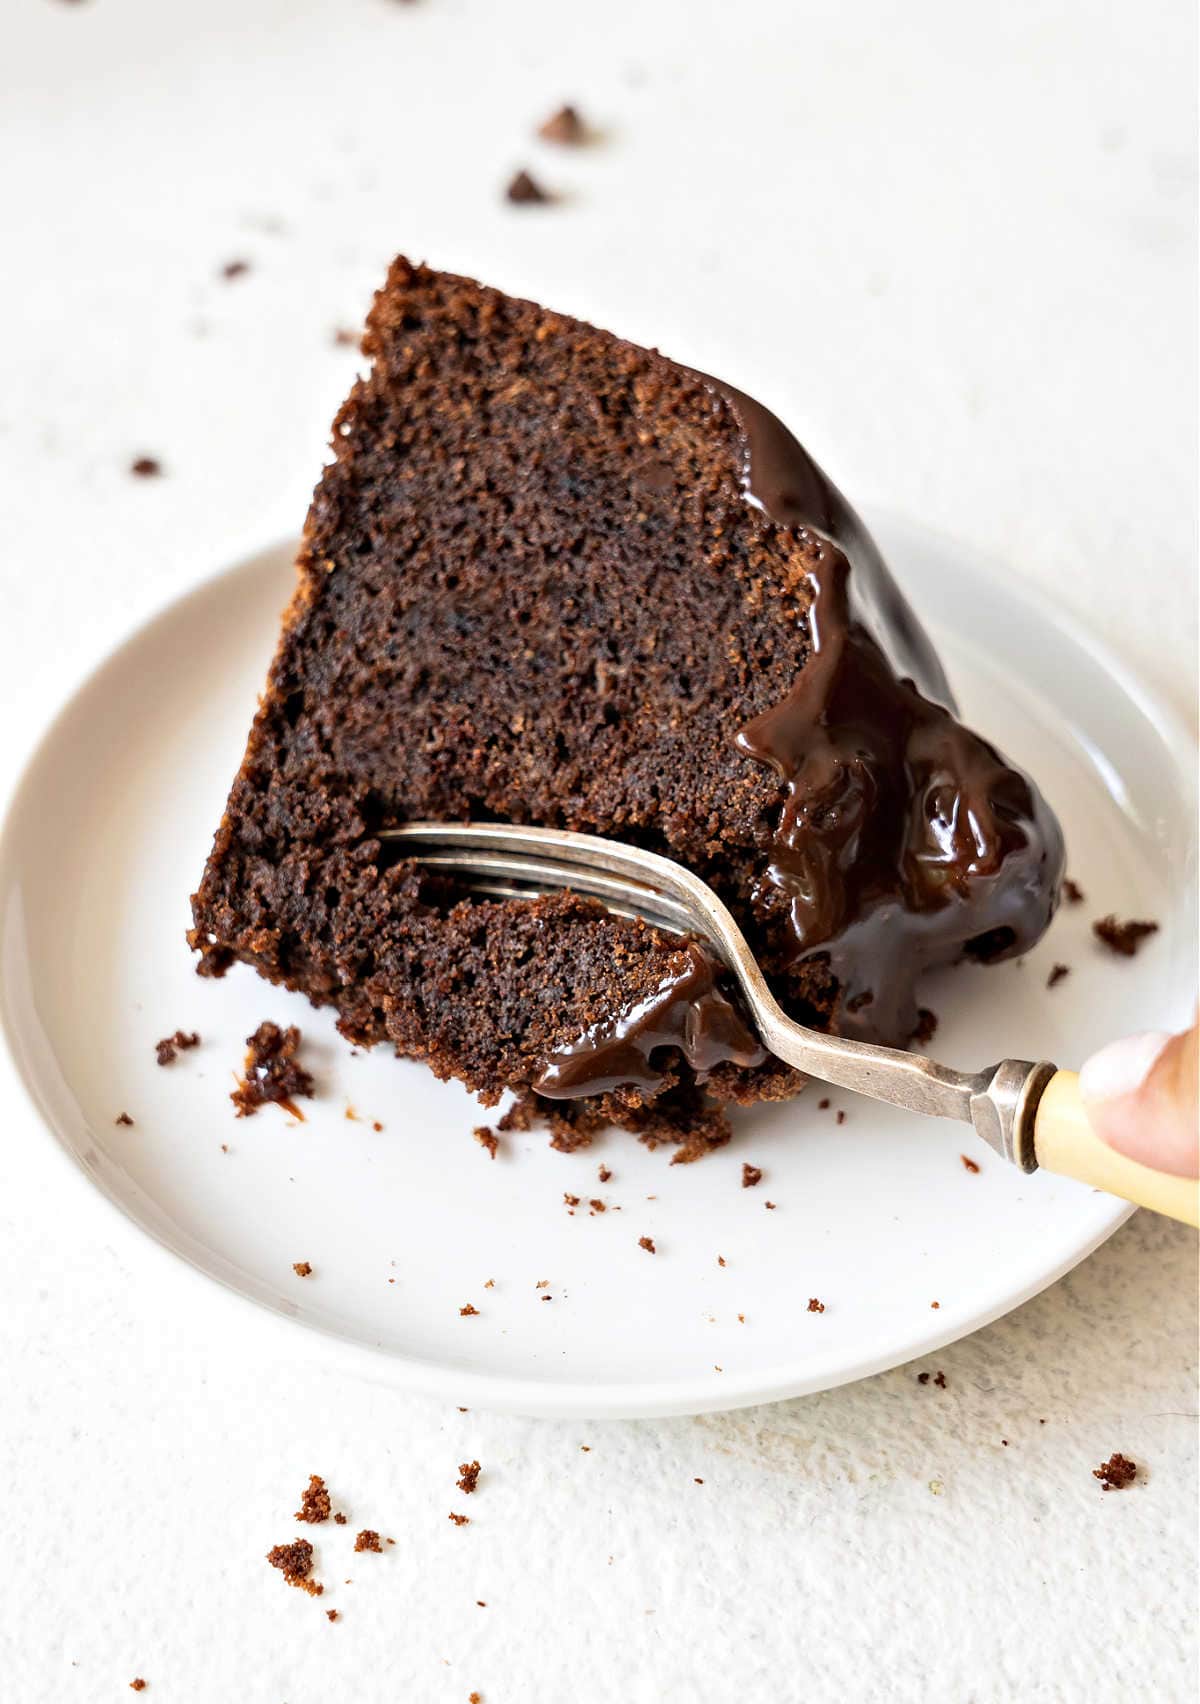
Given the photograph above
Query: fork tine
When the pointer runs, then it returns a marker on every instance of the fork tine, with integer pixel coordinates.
(632, 898)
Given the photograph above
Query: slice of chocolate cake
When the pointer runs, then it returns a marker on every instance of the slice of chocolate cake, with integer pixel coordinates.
(553, 578)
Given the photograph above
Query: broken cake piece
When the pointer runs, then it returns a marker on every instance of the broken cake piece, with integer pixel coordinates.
(551, 577)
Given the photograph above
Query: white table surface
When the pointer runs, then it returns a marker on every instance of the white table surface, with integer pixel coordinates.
(955, 247)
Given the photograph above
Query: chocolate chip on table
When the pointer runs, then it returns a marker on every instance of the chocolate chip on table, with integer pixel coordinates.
(565, 127)
(525, 191)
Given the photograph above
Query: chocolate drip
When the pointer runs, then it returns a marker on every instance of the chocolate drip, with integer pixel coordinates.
(686, 1012)
(905, 841)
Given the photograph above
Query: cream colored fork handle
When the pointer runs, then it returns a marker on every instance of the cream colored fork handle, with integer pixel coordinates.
(1065, 1142)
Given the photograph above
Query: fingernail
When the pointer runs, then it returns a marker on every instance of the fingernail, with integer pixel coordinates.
(1121, 1068)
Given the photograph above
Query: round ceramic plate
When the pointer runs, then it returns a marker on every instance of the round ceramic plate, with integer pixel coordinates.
(382, 1189)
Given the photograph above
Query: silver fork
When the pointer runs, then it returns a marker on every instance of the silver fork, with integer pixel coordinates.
(1028, 1112)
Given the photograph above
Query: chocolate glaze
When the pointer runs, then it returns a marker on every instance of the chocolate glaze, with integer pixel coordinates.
(905, 841)
(687, 1012)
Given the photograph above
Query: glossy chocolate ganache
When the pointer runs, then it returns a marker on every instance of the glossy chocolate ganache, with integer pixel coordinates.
(904, 840)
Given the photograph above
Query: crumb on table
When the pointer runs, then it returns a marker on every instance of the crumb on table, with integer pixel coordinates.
(314, 1501)
(123, 1118)
(168, 1049)
(487, 1138)
(295, 1562)
(751, 1175)
(648, 1244)
(466, 1312)
(815, 1305)
(1123, 938)
(461, 1520)
(368, 1539)
(469, 1472)
(1057, 973)
(968, 1163)
(1116, 1473)
(1072, 892)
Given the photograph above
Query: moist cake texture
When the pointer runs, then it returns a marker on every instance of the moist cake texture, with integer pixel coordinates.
(550, 577)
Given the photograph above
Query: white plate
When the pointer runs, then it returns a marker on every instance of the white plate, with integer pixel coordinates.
(878, 1218)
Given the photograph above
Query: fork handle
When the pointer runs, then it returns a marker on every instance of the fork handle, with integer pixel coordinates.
(1065, 1142)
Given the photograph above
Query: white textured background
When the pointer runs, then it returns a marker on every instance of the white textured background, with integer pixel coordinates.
(955, 247)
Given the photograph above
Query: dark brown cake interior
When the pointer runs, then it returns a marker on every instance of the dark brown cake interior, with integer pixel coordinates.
(531, 589)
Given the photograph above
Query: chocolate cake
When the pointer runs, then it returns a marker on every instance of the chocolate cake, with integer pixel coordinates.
(550, 577)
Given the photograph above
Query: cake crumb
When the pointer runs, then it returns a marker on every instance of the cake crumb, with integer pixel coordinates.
(368, 1539)
(927, 1023)
(970, 1164)
(1072, 892)
(489, 1284)
(146, 467)
(315, 1503)
(935, 1304)
(564, 127)
(751, 1175)
(235, 269)
(603, 1174)
(469, 1471)
(1116, 1473)
(168, 1049)
(272, 1072)
(571, 1200)
(1056, 975)
(720, 1260)
(376, 1126)
(302, 1268)
(770, 1206)
(1122, 938)
(123, 1118)
(840, 1117)
(487, 1138)
(339, 1519)
(461, 1520)
(524, 191)
(823, 1104)
(939, 1379)
(474, 1698)
(596, 1205)
(696, 1481)
(331, 1614)
(648, 1244)
(295, 1561)
(468, 1311)
(815, 1305)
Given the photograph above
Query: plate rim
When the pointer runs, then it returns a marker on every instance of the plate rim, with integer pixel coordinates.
(525, 1394)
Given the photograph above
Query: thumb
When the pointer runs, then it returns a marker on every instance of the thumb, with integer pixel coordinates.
(1140, 1096)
